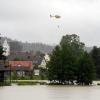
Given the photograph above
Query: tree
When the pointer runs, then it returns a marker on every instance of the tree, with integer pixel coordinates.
(2, 62)
(2, 57)
(62, 66)
(86, 70)
(54, 72)
(73, 43)
(95, 54)
(69, 62)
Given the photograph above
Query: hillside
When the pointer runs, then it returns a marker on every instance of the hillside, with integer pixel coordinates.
(37, 47)
(16, 45)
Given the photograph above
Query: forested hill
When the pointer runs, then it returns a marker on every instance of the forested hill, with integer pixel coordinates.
(16, 45)
(37, 47)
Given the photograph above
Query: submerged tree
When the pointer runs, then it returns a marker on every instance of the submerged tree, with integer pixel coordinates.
(62, 66)
(69, 62)
(95, 54)
(86, 70)
(54, 72)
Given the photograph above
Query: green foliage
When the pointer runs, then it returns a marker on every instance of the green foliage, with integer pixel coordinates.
(43, 74)
(2, 57)
(54, 72)
(30, 83)
(3, 63)
(72, 42)
(86, 70)
(14, 75)
(95, 54)
(1, 50)
(64, 66)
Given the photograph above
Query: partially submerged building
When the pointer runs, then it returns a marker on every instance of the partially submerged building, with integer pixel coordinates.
(40, 62)
(22, 68)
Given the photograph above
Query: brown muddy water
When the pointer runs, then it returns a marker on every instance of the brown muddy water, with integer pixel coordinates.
(39, 92)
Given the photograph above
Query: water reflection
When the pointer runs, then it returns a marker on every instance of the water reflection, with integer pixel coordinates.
(49, 93)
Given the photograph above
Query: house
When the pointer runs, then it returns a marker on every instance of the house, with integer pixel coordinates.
(25, 56)
(47, 57)
(40, 62)
(36, 62)
(44, 61)
(22, 68)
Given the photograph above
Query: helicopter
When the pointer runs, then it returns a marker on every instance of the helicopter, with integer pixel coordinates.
(55, 16)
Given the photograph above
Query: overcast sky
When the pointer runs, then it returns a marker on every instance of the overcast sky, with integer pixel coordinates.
(29, 20)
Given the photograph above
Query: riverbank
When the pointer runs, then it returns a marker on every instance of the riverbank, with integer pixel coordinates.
(40, 82)
(30, 82)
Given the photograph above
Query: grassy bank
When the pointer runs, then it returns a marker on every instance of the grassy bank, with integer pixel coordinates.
(29, 82)
(5, 84)
(35, 82)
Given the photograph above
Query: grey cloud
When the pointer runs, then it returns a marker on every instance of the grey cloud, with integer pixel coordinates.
(28, 20)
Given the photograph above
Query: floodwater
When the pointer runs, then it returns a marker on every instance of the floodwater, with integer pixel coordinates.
(39, 92)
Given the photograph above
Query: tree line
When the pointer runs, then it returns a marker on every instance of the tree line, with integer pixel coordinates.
(70, 63)
(19, 46)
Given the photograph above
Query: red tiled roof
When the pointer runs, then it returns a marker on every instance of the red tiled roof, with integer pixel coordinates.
(21, 64)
